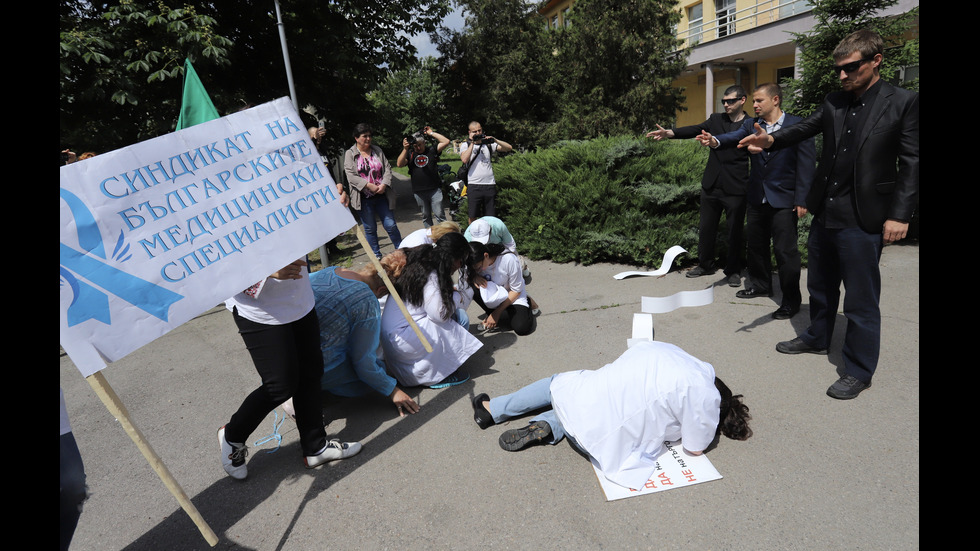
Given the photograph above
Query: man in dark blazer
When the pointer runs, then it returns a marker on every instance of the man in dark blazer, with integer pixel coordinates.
(778, 185)
(862, 198)
(726, 175)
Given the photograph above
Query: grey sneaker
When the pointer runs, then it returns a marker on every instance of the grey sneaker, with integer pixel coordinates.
(335, 449)
(735, 280)
(518, 439)
(232, 456)
(846, 387)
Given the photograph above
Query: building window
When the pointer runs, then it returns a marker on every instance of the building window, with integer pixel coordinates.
(784, 74)
(564, 18)
(695, 20)
(725, 11)
(789, 8)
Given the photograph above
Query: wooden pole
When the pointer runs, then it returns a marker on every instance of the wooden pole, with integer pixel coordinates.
(118, 410)
(391, 288)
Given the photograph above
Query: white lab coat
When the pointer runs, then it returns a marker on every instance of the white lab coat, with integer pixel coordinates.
(622, 413)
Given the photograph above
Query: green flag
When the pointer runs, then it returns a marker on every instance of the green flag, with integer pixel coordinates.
(196, 106)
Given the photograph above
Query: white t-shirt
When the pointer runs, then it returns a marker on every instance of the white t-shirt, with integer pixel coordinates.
(280, 301)
(416, 238)
(622, 413)
(506, 273)
(480, 170)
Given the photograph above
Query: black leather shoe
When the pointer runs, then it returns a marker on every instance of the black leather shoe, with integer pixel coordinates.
(480, 414)
(785, 312)
(752, 293)
(797, 346)
(698, 271)
(846, 387)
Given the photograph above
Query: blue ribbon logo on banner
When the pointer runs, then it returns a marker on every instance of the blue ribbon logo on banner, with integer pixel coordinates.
(77, 267)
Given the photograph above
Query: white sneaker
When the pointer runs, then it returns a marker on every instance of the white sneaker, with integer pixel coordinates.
(335, 449)
(232, 457)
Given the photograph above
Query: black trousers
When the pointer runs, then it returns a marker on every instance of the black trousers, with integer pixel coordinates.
(713, 204)
(288, 359)
(521, 320)
(764, 223)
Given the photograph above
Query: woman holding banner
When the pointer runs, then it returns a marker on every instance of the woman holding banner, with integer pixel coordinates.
(277, 321)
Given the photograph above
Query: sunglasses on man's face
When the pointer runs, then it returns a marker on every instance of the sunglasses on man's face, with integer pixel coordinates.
(850, 67)
(730, 101)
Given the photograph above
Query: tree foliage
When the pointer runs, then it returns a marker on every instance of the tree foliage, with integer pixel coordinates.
(406, 101)
(609, 73)
(496, 70)
(131, 51)
(835, 20)
(120, 67)
(613, 67)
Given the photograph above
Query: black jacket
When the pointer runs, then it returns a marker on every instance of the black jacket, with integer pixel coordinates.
(726, 168)
(886, 172)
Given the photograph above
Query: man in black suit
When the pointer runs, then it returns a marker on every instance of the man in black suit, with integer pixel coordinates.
(776, 198)
(723, 184)
(862, 198)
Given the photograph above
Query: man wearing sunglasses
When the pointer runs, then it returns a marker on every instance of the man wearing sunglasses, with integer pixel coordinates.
(723, 185)
(862, 198)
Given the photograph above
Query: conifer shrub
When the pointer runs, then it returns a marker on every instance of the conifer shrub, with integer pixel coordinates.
(611, 199)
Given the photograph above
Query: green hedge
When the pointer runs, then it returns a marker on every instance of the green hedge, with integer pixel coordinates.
(620, 199)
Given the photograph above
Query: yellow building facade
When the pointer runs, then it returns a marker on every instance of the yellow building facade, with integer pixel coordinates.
(745, 42)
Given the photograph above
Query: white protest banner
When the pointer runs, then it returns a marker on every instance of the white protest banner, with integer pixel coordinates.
(156, 233)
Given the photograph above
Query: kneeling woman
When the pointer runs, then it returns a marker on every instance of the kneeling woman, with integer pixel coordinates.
(495, 274)
(426, 287)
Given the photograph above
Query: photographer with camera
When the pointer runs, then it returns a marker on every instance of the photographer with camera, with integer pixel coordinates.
(481, 187)
(426, 182)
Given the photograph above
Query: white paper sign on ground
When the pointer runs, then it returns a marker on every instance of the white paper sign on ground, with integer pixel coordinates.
(675, 469)
(662, 305)
(669, 257)
(158, 232)
(642, 329)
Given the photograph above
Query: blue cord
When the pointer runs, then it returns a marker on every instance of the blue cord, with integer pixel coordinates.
(276, 423)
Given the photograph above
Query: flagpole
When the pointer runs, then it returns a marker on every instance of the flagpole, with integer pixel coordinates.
(285, 57)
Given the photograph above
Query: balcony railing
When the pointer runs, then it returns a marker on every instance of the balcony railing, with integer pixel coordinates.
(762, 13)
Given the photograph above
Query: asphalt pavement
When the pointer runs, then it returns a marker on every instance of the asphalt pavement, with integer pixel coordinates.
(817, 474)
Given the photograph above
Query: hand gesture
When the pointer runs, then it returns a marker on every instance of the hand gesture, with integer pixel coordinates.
(292, 271)
(704, 138)
(660, 133)
(756, 142)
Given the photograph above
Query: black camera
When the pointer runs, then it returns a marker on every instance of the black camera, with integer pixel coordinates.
(413, 138)
(482, 138)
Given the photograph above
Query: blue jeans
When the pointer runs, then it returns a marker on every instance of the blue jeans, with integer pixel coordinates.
(430, 201)
(534, 396)
(462, 318)
(377, 207)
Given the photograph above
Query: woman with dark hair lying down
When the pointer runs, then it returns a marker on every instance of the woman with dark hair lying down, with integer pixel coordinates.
(621, 414)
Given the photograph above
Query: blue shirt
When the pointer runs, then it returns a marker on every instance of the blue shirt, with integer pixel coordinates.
(350, 332)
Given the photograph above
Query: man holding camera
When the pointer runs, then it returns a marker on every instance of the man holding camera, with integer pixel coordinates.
(481, 188)
(421, 162)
